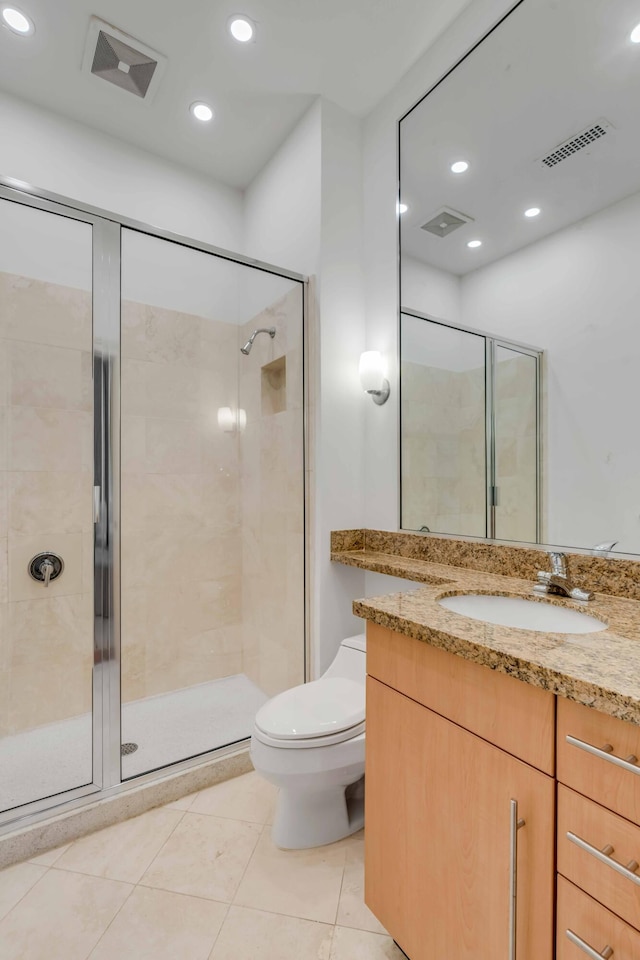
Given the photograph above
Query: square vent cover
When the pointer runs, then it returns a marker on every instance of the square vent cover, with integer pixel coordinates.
(445, 222)
(116, 57)
(577, 142)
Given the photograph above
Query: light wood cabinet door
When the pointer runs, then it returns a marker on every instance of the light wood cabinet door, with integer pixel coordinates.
(437, 843)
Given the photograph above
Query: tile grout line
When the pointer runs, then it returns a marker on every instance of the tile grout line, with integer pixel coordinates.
(116, 914)
(170, 834)
(134, 886)
(255, 847)
(46, 871)
(217, 936)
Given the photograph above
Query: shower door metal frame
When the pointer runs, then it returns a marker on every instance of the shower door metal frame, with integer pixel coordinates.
(102, 677)
(107, 250)
(491, 343)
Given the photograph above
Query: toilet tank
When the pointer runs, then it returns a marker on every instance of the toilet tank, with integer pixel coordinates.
(350, 661)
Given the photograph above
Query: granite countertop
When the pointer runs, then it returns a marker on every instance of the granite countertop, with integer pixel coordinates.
(600, 670)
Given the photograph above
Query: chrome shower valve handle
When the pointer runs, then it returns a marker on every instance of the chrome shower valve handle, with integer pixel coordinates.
(45, 567)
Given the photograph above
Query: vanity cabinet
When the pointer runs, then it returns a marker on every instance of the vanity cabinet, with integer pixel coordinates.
(598, 835)
(442, 849)
(457, 755)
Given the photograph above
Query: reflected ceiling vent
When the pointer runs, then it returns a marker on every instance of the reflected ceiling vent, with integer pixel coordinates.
(445, 222)
(116, 57)
(576, 143)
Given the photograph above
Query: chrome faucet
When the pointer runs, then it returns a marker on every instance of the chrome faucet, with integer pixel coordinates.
(557, 580)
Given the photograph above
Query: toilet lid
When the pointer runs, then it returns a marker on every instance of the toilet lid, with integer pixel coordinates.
(315, 709)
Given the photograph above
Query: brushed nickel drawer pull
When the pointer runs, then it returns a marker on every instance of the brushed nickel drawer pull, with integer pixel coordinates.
(606, 753)
(515, 825)
(604, 856)
(590, 952)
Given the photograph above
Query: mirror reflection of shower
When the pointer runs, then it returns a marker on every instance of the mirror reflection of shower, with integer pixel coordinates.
(247, 347)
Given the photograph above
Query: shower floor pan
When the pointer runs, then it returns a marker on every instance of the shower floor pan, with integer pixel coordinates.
(167, 728)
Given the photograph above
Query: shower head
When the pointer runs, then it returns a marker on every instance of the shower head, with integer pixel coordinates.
(247, 347)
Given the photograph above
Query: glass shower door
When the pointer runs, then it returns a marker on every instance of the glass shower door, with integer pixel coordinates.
(46, 498)
(516, 440)
(212, 498)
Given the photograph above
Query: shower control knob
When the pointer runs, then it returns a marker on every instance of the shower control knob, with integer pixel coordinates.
(45, 567)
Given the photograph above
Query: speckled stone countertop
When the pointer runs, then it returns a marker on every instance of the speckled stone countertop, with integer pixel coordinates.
(600, 670)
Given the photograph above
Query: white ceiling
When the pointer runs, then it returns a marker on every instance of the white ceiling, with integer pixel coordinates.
(350, 51)
(550, 70)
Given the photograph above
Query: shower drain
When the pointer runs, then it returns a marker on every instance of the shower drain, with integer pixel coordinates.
(128, 748)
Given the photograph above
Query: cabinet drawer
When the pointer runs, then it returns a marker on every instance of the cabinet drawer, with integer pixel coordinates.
(600, 853)
(584, 924)
(511, 714)
(599, 775)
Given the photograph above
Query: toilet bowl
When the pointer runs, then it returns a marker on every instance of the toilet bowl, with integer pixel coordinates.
(309, 742)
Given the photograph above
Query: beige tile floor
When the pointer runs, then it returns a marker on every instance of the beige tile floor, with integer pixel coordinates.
(198, 879)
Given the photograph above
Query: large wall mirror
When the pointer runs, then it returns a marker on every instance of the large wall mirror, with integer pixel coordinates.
(520, 285)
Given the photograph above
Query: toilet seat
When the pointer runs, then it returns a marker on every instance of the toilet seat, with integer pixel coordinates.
(319, 713)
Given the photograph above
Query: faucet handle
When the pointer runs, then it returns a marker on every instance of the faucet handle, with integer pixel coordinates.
(603, 549)
(558, 563)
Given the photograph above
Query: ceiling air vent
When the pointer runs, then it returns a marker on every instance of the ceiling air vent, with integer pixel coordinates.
(445, 222)
(576, 143)
(116, 57)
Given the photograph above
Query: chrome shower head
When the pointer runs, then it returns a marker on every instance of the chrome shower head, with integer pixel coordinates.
(247, 347)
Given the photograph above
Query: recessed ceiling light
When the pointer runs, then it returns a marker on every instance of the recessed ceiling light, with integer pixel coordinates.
(201, 111)
(460, 166)
(241, 29)
(18, 21)
(474, 243)
(532, 212)
(635, 34)
(401, 208)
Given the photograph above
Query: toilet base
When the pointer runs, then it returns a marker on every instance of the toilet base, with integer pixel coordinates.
(313, 819)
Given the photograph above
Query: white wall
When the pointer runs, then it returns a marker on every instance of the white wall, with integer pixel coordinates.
(427, 289)
(282, 206)
(59, 155)
(574, 294)
(342, 404)
(304, 210)
(380, 244)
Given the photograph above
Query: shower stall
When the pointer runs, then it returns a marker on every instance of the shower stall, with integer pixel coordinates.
(152, 500)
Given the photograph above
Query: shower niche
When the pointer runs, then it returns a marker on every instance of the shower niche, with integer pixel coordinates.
(274, 387)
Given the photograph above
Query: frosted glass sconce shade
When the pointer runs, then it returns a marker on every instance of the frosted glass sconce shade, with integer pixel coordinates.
(373, 376)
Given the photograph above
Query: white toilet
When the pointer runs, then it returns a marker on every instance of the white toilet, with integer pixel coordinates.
(309, 742)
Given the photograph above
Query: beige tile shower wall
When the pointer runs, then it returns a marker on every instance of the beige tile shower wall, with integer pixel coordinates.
(516, 450)
(46, 463)
(181, 543)
(272, 506)
(443, 450)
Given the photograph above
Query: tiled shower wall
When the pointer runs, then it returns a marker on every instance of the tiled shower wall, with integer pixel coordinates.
(272, 468)
(181, 536)
(46, 464)
(443, 462)
(516, 450)
(443, 450)
(212, 522)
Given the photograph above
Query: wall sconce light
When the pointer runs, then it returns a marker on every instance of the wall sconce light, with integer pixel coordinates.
(230, 420)
(373, 371)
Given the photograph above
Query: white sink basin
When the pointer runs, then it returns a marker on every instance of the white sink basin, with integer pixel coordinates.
(523, 614)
